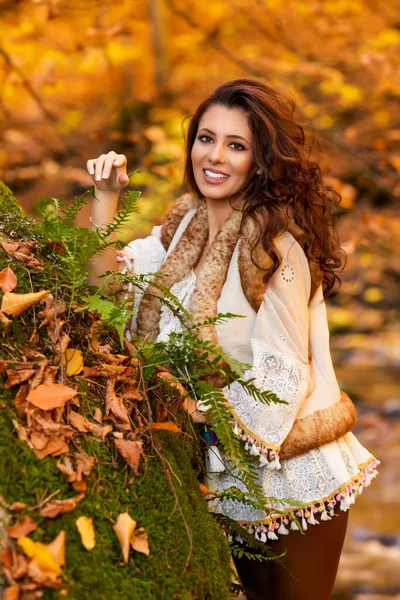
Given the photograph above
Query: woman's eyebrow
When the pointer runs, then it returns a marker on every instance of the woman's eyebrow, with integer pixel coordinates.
(239, 137)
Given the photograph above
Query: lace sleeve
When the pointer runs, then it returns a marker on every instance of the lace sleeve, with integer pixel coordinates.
(280, 359)
(141, 256)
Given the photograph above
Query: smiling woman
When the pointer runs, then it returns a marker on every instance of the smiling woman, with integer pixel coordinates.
(255, 237)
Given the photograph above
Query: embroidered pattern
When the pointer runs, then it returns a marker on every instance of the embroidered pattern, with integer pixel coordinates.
(287, 273)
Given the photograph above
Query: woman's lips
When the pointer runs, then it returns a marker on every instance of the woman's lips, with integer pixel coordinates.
(213, 180)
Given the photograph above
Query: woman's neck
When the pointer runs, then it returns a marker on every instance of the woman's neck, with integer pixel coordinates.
(218, 212)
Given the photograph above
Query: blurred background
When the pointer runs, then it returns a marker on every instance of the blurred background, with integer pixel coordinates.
(81, 77)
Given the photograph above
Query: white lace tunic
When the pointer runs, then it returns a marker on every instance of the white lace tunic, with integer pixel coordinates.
(275, 341)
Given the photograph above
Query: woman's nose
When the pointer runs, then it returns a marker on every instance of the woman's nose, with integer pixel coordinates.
(217, 152)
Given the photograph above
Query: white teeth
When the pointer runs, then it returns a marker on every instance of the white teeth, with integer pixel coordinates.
(215, 175)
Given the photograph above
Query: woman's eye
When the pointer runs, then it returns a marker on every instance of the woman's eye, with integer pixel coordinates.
(203, 138)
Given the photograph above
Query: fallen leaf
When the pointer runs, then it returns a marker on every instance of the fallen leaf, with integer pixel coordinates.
(12, 593)
(166, 426)
(84, 463)
(4, 321)
(98, 415)
(74, 361)
(17, 506)
(57, 507)
(8, 280)
(15, 304)
(124, 528)
(79, 421)
(86, 529)
(171, 380)
(41, 554)
(98, 431)
(19, 565)
(67, 470)
(50, 312)
(39, 375)
(131, 451)
(140, 541)
(57, 548)
(102, 370)
(39, 440)
(50, 395)
(23, 252)
(204, 490)
(22, 433)
(132, 393)
(23, 527)
(49, 426)
(15, 377)
(54, 447)
(161, 413)
(20, 398)
(115, 403)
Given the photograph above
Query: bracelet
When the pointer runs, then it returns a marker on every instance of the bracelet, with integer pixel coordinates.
(99, 228)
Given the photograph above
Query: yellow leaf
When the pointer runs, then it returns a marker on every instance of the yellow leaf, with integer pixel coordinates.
(373, 294)
(57, 548)
(86, 529)
(50, 395)
(124, 528)
(140, 541)
(15, 304)
(74, 361)
(166, 426)
(41, 554)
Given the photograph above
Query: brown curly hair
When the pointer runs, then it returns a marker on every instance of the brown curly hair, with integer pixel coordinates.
(290, 185)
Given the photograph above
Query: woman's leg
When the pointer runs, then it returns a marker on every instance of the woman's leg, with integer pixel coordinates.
(313, 558)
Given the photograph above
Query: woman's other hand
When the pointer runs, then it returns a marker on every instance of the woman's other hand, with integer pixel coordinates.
(108, 172)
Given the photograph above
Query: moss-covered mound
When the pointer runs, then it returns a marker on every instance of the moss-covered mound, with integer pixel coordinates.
(189, 556)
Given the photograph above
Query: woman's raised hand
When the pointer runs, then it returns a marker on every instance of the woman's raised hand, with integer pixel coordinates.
(108, 171)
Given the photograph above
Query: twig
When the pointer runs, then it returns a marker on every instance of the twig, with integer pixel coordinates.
(43, 502)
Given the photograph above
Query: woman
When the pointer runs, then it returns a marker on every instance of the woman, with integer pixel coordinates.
(255, 237)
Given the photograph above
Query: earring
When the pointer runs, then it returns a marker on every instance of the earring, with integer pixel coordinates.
(259, 172)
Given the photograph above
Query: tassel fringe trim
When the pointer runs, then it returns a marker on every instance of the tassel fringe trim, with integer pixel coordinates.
(298, 519)
(266, 455)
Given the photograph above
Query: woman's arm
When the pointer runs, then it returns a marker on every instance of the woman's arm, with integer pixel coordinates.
(109, 176)
(280, 358)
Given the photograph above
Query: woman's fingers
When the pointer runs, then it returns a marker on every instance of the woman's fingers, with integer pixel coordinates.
(98, 169)
(108, 171)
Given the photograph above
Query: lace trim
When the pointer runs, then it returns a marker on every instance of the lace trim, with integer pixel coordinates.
(298, 518)
(264, 427)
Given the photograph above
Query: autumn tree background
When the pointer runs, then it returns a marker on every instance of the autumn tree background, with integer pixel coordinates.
(82, 77)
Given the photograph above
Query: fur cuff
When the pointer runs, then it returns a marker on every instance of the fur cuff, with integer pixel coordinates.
(322, 427)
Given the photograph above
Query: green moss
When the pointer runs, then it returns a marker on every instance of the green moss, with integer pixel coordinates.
(112, 488)
(8, 203)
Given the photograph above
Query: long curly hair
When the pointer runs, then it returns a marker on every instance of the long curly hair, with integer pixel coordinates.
(290, 184)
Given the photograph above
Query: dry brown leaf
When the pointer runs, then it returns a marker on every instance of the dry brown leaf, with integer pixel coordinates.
(47, 424)
(19, 566)
(23, 527)
(140, 541)
(132, 393)
(4, 321)
(67, 470)
(20, 398)
(39, 439)
(23, 252)
(57, 507)
(161, 413)
(12, 593)
(50, 395)
(17, 506)
(39, 375)
(115, 403)
(15, 304)
(86, 530)
(57, 548)
(84, 463)
(166, 426)
(131, 452)
(50, 374)
(98, 415)
(54, 447)
(8, 280)
(124, 528)
(74, 361)
(79, 421)
(102, 370)
(15, 377)
(50, 312)
(22, 433)
(98, 431)
(171, 380)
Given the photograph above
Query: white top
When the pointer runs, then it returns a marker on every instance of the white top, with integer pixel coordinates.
(275, 341)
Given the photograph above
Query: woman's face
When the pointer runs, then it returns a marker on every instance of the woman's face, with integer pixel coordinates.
(222, 155)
